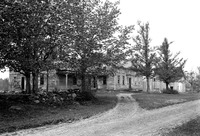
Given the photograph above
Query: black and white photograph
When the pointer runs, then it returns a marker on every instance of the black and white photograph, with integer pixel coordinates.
(99, 68)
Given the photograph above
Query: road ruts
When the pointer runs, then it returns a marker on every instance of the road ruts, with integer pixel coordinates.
(126, 119)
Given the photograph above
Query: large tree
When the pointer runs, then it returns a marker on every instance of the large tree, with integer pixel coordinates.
(28, 36)
(169, 67)
(96, 40)
(144, 57)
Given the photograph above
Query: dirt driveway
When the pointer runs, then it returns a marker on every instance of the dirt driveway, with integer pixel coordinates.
(126, 119)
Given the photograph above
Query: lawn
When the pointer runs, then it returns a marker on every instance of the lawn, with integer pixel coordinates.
(156, 100)
(153, 101)
(34, 115)
(191, 128)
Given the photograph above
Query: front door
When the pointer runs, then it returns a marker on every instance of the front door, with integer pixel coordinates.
(22, 83)
(130, 83)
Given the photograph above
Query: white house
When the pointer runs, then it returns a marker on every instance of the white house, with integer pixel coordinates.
(122, 79)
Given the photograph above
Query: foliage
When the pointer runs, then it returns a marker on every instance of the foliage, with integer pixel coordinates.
(144, 56)
(169, 67)
(95, 41)
(28, 35)
(193, 78)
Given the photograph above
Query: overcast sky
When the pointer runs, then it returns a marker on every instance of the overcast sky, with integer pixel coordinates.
(177, 20)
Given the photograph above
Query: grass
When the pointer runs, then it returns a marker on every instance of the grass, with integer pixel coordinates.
(153, 101)
(34, 115)
(191, 128)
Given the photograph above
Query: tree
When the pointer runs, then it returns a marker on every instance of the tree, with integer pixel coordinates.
(169, 67)
(96, 40)
(143, 59)
(28, 36)
(193, 79)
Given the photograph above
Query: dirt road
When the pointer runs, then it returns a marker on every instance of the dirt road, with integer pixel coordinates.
(126, 119)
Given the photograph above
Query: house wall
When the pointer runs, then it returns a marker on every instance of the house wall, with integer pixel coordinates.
(121, 80)
(109, 84)
(118, 81)
(154, 84)
(15, 80)
(179, 86)
(158, 86)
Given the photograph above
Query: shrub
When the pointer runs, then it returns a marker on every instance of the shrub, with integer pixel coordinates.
(169, 91)
(85, 96)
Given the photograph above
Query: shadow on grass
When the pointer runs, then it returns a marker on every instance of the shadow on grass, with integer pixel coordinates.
(35, 115)
(156, 100)
(191, 128)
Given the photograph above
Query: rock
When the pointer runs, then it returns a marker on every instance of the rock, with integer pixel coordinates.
(17, 108)
(74, 95)
(54, 98)
(36, 101)
(76, 103)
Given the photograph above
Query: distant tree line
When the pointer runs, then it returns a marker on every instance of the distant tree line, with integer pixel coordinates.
(193, 79)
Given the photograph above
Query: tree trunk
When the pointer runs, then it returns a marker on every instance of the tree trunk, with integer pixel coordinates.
(35, 81)
(148, 87)
(83, 86)
(167, 85)
(28, 84)
(86, 88)
(95, 82)
(47, 88)
(89, 80)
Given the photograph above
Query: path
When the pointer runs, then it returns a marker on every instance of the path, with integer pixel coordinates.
(126, 119)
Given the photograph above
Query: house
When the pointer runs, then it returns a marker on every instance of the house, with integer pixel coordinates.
(122, 79)
(157, 86)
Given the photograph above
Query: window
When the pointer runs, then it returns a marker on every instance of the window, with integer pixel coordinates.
(74, 80)
(42, 79)
(118, 78)
(123, 81)
(104, 80)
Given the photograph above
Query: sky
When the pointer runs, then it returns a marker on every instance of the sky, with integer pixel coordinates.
(177, 20)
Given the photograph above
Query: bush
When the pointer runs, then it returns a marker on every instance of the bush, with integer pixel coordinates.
(85, 96)
(170, 91)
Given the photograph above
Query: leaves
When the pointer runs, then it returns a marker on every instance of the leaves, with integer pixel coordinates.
(144, 57)
(28, 34)
(96, 39)
(169, 67)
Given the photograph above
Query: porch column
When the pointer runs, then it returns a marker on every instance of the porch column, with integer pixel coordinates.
(66, 81)
(114, 82)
